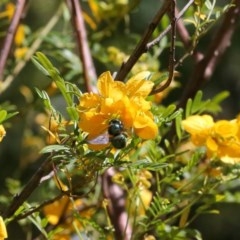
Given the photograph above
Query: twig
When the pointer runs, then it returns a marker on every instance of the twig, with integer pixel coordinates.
(45, 203)
(10, 35)
(142, 45)
(89, 71)
(186, 40)
(32, 184)
(172, 52)
(160, 37)
(205, 68)
(33, 48)
(116, 206)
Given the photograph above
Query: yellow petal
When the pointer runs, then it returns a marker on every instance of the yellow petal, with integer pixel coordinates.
(146, 196)
(230, 149)
(2, 132)
(138, 85)
(89, 20)
(60, 184)
(20, 35)
(230, 160)
(10, 9)
(145, 127)
(141, 103)
(54, 211)
(226, 129)
(128, 112)
(198, 124)
(212, 145)
(20, 52)
(104, 82)
(95, 9)
(89, 100)
(115, 109)
(3, 230)
(108, 88)
(93, 123)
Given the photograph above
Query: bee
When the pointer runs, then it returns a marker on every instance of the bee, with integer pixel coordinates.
(117, 136)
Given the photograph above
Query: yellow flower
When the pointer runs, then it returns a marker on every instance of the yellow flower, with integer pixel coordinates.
(226, 129)
(138, 202)
(199, 127)
(10, 9)
(117, 100)
(149, 237)
(20, 35)
(55, 210)
(62, 213)
(20, 52)
(221, 138)
(224, 140)
(3, 231)
(2, 132)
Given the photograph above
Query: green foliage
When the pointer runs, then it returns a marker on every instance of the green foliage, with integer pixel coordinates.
(198, 105)
(161, 185)
(7, 111)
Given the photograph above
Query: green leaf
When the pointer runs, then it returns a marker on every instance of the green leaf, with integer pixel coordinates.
(221, 96)
(196, 102)
(178, 121)
(3, 115)
(188, 108)
(10, 115)
(46, 100)
(54, 148)
(146, 164)
(208, 4)
(44, 61)
(214, 105)
(170, 109)
(40, 66)
(175, 114)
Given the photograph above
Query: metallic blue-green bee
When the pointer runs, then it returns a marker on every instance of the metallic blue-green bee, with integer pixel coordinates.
(117, 137)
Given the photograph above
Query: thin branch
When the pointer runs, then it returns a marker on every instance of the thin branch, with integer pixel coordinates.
(142, 45)
(38, 208)
(32, 184)
(116, 206)
(89, 71)
(10, 35)
(205, 68)
(186, 40)
(172, 52)
(160, 37)
(32, 49)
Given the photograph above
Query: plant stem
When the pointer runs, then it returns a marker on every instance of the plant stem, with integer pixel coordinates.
(10, 35)
(89, 71)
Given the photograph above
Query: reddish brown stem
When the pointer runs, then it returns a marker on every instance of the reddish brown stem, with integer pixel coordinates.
(89, 71)
(33, 183)
(10, 35)
(171, 64)
(116, 206)
(168, 29)
(141, 46)
(186, 39)
(205, 68)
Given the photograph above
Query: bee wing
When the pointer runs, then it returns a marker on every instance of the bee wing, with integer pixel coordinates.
(101, 139)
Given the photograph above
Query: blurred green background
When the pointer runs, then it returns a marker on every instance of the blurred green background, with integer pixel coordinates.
(19, 150)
